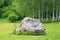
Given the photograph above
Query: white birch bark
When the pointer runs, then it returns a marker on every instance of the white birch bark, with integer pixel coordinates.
(33, 8)
(39, 11)
(56, 10)
(53, 10)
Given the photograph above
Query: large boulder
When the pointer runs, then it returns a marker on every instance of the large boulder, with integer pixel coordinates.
(31, 24)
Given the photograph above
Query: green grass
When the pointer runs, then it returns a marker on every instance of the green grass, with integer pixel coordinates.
(52, 32)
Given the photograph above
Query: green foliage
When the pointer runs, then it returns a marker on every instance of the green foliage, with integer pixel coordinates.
(12, 17)
(4, 15)
(27, 32)
(23, 33)
(24, 8)
(1, 3)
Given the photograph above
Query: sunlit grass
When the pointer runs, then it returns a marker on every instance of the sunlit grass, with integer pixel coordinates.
(52, 32)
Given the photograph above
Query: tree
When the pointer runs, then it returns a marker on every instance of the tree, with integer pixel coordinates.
(38, 9)
(56, 4)
(42, 9)
(1, 3)
(33, 8)
(53, 1)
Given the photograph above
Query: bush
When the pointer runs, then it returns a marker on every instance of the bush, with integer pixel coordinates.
(6, 14)
(1, 3)
(12, 17)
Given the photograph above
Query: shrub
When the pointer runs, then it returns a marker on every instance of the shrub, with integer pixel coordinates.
(12, 17)
(4, 15)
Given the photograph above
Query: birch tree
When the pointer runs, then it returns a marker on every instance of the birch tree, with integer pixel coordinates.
(46, 10)
(56, 4)
(42, 8)
(59, 9)
(53, 8)
(33, 8)
(39, 9)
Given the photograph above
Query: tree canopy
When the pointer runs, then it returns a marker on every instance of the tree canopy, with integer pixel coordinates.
(41, 9)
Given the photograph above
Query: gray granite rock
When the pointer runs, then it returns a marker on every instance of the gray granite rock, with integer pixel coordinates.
(31, 24)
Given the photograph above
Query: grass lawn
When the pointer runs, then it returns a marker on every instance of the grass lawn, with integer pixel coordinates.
(52, 32)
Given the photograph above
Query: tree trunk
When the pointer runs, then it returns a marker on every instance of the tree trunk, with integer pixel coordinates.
(53, 10)
(56, 10)
(59, 16)
(33, 8)
(39, 14)
(42, 9)
(39, 10)
(47, 12)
